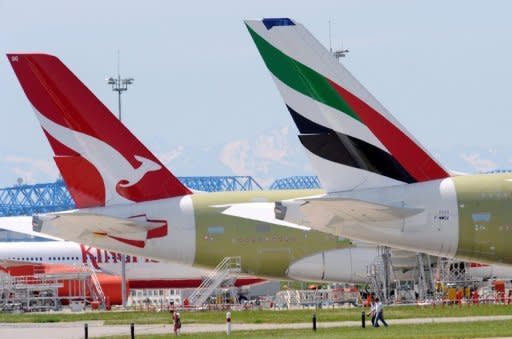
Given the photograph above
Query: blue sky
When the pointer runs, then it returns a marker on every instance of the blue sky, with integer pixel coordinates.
(205, 104)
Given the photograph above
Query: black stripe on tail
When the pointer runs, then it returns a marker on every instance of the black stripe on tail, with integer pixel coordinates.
(347, 150)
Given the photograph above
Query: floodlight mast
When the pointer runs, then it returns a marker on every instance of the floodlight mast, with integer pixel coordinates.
(120, 85)
(338, 54)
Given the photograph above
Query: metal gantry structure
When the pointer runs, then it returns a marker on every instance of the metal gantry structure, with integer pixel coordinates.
(221, 183)
(26, 199)
(51, 197)
(39, 198)
(296, 182)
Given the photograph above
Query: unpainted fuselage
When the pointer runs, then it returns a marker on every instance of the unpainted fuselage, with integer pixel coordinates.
(467, 217)
(200, 234)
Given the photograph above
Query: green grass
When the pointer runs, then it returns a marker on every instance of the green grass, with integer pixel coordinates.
(453, 330)
(257, 317)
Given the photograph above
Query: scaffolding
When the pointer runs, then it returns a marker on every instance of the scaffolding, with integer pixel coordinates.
(40, 291)
(451, 275)
(424, 277)
(318, 298)
(380, 274)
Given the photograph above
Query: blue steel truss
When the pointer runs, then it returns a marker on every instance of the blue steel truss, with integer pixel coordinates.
(52, 197)
(221, 183)
(297, 182)
(38, 198)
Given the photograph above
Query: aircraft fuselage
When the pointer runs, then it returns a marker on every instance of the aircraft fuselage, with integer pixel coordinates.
(468, 217)
(200, 234)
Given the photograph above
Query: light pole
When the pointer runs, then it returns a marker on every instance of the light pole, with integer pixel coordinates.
(338, 54)
(120, 85)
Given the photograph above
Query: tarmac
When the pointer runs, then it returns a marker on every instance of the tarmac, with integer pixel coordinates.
(98, 329)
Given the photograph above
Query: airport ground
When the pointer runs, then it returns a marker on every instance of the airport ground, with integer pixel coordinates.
(452, 327)
(480, 329)
(260, 317)
(405, 321)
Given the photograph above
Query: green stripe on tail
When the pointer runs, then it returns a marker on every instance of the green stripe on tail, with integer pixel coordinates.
(300, 77)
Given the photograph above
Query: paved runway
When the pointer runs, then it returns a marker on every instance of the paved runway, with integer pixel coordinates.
(98, 329)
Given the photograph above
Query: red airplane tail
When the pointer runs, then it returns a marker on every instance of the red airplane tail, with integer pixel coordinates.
(101, 161)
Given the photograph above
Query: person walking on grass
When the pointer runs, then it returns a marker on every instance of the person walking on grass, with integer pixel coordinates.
(373, 313)
(379, 310)
(177, 323)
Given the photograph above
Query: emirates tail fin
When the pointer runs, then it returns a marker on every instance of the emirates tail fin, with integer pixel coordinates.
(101, 161)
(350, 138)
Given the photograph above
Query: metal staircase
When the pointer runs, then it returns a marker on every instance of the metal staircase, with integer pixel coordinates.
(95, 289)
(226, 270)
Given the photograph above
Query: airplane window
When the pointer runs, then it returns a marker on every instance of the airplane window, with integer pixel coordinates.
(68, 258)
(40, 259)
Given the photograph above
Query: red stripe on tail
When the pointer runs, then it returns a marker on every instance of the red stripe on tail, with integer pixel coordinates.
(412, 157)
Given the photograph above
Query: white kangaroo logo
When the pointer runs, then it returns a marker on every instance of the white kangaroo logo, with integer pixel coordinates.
(112, 165)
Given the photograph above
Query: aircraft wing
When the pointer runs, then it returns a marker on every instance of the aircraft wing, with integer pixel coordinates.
(82, 227)
(22, 225)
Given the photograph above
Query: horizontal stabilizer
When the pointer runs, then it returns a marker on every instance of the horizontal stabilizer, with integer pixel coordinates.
(331, 213)
(22, 225)
(328, 214)
(80, 227)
